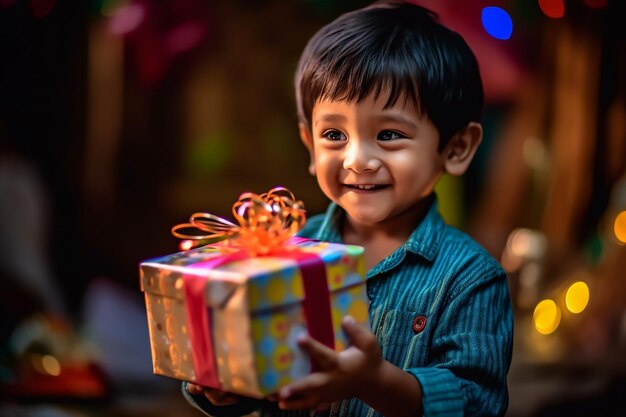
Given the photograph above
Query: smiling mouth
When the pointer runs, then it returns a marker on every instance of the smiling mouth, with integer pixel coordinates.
(367, 187)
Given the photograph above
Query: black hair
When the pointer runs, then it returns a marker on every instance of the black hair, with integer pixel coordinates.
(397, 48)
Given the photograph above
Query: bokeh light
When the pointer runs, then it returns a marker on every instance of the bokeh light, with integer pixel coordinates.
(45, 364)
(127, 19)
(497, 22)
(547, 317)
(535, 153)
(42, 8)
(620, 227)
(523, 245)
(577, 297)
(184, 37)
(596, 4)
(186, 244)
(552, 8)
(520, 242)
(51, 365)
(527, 243)
(110, 8)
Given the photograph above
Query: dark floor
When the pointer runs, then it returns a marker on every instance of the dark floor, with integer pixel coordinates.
(533, 393)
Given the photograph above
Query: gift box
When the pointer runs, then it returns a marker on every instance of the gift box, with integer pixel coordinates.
(226, 317)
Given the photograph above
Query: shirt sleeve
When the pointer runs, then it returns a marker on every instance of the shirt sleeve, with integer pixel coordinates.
(200, 402)
(470, 352)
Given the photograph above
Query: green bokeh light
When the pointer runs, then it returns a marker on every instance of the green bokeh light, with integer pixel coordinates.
(208, 154)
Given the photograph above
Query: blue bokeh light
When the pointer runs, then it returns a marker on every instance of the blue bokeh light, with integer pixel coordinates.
(497, 22)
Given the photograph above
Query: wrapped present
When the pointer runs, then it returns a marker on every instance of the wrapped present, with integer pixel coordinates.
(228, 315)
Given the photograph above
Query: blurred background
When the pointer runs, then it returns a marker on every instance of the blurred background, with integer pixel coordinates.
(119, 118)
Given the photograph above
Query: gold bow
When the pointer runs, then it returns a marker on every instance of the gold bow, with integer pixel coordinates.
(266, 222)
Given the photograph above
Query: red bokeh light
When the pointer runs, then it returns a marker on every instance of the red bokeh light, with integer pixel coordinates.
(596, 4)
(552, 8)
(42, 8)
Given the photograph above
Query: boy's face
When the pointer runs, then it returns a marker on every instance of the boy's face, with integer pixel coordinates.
(376, 163)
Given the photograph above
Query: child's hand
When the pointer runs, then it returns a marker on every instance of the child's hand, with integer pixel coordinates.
(341, 375)
(216, 397)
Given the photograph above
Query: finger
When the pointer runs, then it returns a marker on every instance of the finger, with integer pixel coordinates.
(217, 394)
(325, 357)
(221, 398)
(230, 399)
(302, 387)
(299, 401)
(359, 336)
(194, 389)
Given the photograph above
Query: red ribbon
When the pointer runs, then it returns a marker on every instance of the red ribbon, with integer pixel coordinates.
(200, 319)
(316, 305)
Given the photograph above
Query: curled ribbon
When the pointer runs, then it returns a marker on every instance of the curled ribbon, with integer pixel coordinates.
(266, 222)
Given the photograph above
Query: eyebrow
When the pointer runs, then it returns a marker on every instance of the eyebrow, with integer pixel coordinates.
(396, 119)
(330, 117)
(336, 117)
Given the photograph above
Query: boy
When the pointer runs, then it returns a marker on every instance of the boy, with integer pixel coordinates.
(388, 101)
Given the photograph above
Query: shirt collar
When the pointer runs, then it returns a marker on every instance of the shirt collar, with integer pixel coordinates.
(423, 241)
(330, 229)
(426, 237)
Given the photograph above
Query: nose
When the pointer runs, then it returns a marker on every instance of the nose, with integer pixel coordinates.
(360, 157)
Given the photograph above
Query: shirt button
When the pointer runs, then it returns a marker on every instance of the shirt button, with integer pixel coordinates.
(419, 322)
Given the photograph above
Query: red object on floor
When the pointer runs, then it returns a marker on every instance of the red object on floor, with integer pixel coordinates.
(74, 383)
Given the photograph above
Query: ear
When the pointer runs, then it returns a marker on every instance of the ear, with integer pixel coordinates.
(305, 136)
(460, 151)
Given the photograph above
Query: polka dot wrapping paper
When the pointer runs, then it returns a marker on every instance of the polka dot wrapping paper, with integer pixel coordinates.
(238, 329)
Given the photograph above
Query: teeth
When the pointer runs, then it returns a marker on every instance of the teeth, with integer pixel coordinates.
(364, 187)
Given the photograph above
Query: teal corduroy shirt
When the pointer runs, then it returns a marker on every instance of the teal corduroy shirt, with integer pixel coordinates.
(440, 308)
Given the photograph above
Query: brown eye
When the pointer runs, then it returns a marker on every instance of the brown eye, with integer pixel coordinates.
(334, 135)
(386, 135)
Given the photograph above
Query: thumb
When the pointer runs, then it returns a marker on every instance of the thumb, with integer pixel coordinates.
(359, 335)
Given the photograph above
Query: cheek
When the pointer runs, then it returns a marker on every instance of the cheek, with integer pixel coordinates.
(413, 165)
(404, 165)
(327, 173)
(324, 163)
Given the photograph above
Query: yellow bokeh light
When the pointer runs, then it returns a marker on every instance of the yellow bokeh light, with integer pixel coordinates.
(51, 365)
(620, 227)
(577, 297)
(186, 245)
(547, 317)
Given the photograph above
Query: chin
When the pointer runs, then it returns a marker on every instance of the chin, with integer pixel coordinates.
(366, 219)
